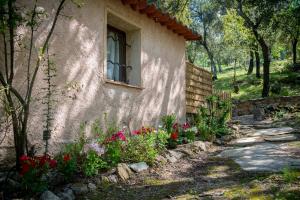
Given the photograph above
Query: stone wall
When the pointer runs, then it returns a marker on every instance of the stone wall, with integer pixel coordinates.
(247, 107)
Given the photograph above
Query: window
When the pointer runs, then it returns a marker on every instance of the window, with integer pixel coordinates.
(116, 54)
(123, 61)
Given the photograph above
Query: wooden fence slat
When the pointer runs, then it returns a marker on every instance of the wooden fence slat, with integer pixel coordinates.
(198, 87)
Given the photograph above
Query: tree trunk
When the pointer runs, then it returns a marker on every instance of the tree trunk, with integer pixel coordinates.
(251, 63)
(294, 49)
(220, 67)
(257, 59)
(266, 69)
(212, 63)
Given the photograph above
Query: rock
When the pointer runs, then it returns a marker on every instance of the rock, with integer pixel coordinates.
(123, 171)
(112, 178)
(219, 142)
(200, 145)
(281, 138)
(176, 154)
(161, 160)
(92, 186)
(48, 195)
(258, 113)
(188, 152)
(262, 157)
(67, 194)
(272, 131)
(139, 167)
(108, 179)
(79, 188)
(247, 141)
(171, 159)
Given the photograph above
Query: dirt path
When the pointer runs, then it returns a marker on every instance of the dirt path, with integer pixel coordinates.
(204, 176)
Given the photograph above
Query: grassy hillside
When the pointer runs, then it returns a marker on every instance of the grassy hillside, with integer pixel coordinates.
(250, 87)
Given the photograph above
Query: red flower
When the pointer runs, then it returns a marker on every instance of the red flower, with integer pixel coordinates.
(175, 127)
(174, 136)
(24, 158)
(25, 168)
(53, 163)
(67, 157)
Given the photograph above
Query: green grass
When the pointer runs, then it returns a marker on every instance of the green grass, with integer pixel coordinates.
(290, 175)
(250, 87)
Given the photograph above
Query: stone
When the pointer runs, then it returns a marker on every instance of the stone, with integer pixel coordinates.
(48, 195)
(281, 138)
(187, 151)
(161, 160)
(92, 186)
(171, 159)
(272, 131)
(247, 141)
(261, 157)
(67, 194)
(113, 178)
(123, 171)
(199, 145)
(258, 113)
(79, 188)
(139, 167)
(176, 154)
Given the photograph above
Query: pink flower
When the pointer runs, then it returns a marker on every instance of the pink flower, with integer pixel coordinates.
(136, 132)
(186, 125)
(120, 135)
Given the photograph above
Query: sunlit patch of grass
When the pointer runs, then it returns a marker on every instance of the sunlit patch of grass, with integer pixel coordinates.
(250, 87)
(295, 144)
(255, 192)
(158, 182)
(290, 175)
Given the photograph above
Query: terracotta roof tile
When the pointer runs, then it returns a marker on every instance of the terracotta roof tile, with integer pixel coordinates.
(163, 18)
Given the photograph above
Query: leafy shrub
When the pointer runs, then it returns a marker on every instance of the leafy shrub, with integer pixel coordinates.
(67, 165)
(276, 88)
(168, 121)
(93, 163)
(113, 153)
(211, 120)
(140, 148)
(161, 140)
(32, 171)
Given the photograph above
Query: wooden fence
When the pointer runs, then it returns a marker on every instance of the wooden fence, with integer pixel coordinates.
(198, 87)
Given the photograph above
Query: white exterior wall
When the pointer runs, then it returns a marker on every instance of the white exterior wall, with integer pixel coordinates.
(79, 45)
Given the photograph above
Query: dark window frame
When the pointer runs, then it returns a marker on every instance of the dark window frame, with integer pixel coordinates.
(122, 52)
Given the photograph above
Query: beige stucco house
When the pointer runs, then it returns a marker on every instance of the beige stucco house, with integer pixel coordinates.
(124, 58)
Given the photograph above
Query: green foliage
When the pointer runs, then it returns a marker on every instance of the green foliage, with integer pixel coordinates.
(67, 165)
(161, 140)
(276, 88)
(70, 159)
(113, 153)
(211, 120)
(188, 135)
(141, 148)
(290, 175)
(93, 163)
(168, 121)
